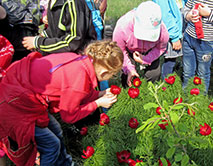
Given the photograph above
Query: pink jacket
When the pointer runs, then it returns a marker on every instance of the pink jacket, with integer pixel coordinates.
(124, 36)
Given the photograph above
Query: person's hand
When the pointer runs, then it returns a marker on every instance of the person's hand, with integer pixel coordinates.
(106, 92)
(130, 76)
(204, 10)
(176, 45)
(193, 16)
(28, 42)
(138, 57)
(106, 101)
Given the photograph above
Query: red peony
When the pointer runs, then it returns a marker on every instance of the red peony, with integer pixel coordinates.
(205, 130)
(84, 130)
(88, 153)
(123, 156)
(178, 100)
(164, 88)
(104, 119)
(170, 79)
(197, 81)
(158, 110)
(133, 123)
(163, 124)
(211, 106)
(161, 164)
(115, 90)
(137, 82)
(131, 162)
(195, 91)
(133, 92)
(190, 112)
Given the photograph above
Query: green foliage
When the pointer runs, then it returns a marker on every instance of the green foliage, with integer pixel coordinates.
(180, 143)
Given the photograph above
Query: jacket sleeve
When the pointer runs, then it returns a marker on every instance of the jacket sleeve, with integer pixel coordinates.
(77, 28)
(160, 47)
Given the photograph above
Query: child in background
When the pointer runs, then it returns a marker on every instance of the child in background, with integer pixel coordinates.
(172, 17)
(197, 52)
(35, 84)
(142, 36)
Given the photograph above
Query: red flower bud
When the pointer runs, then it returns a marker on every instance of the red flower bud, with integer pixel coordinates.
(158, 110)
(84, 130)
(163, 124)
(163, 88)
(205, 130)
(123, 156)
(197, 81)
(139, 161)
(190, 112)
(104, 119)
(178, 100)
(115, 90)
(161, 164)
(88, 153)
(170, 79)
(131, 162)
(211, 106)
(133, 123)
(133, 92)
(195, 91)
(137, 82)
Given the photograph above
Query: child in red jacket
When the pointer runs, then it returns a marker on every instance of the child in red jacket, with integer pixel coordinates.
(37, 86)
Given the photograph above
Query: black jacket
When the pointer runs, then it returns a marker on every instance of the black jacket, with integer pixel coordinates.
(70, 27)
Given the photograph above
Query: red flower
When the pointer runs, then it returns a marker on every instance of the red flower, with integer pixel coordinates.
(137, 82)
(170, 79)
(133, 92)
(190, 112)
(84, 130)
(161, 164)
(163, 88)
(131, 162)
(197, 81)
(104, 119)
(133, 123)
(123, 156)
(178, 100)
(88, 153)
(115, 90)
(205, 130)
(195, 91)
(158, 110)
(211, 106)
(139, 161)
(163, 124)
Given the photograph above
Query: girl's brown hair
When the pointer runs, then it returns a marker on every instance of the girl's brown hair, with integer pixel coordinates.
(107, 54)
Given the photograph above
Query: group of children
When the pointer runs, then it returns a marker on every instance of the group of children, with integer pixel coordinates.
(68, 59)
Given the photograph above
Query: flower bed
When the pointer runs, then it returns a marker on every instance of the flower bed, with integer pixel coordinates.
(158, 124)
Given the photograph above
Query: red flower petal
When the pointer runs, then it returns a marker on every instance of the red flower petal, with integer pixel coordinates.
(123, 156)
(84, 130)
(133, 123)
(115, 90)
(178, 100)
(211, 106)
(194, 91)
(133, 92)
(88, 153)
(163, 124)
(137, 82)
(191, 112)
(161, 164)
(158, 110)
(197, 81)
(205, 130)
(131, 162)
(170, 79)
(163, 88)
(104, 119)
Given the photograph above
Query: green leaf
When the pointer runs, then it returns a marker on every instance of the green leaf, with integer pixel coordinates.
(165, 105)
(150, 105)
(178, 157)
(177, 107)
(163, 160)
(170, 152)
(174, 117)
(182, 127)
(185, 160)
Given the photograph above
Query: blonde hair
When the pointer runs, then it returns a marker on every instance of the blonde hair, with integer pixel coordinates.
(107, 54)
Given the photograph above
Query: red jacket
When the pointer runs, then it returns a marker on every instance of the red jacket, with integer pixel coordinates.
(29, 88)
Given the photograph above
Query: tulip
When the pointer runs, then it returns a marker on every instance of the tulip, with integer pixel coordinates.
(88, 153)
(178, 100)
(114, 89)
(163, 124)
(158, 110)
(211, 106)
(123, 156)
(205, 130)
(104, 119)
(137, 82)
(133, 123)
(84, 130)
(190, 112)
(161, 164)
(195, 91)
(133, 92)
(170, 79)
(197, 81)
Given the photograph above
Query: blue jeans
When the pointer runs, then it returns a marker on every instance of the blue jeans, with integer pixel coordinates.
(197, 57)
(168, 67)
(51, 146)
(103, 86)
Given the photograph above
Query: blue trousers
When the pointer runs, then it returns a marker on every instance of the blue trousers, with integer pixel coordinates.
(51, 146)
